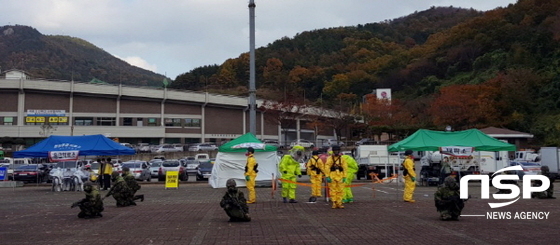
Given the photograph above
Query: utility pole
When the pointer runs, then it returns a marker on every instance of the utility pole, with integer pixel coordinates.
(252, 89)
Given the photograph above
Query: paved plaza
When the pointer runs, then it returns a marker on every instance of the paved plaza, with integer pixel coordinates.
(191, 215)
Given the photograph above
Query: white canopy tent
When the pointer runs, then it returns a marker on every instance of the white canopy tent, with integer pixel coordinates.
(231, 160)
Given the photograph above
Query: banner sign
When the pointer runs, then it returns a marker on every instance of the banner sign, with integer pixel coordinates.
(458, 151)
(57, 156)
(172, 179)
(3, 173)
(51, 113)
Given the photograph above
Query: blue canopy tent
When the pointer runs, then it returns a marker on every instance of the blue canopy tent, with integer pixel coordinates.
(87, 145)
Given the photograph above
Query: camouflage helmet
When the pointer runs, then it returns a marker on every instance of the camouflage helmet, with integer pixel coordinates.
(336, 148)
(88, 186)
(450, 182)
(114, 175)
(126, 169)
(230, 183)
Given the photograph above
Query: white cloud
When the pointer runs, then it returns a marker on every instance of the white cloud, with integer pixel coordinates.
(139, 62)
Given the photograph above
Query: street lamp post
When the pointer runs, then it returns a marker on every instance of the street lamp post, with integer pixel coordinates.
(252, 89)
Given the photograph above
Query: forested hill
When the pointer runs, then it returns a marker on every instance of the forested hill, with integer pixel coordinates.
(311, 59)
(66, 58)
(446, 66)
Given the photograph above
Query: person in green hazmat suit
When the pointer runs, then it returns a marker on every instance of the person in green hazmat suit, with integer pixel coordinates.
(289, 168)
(350, 175)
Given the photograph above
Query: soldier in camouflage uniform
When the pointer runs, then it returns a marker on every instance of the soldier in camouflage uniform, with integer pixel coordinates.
(120, 191)
(132, 184)
(447, 200)
(545, 171)
(92, 205)
(234, 203)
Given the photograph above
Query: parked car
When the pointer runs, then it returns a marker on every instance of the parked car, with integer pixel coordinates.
(166, 148)
(191, 165)
(204, 170)
(143, 147)
(203, 147)
(178, 147)
(331, 142)
(202, 156)
(530, 168)
(304, 143)
(172, 165)
(155, 164)
(273, 143)
(127, 145)
(365, 141)
(36, 173)
(140, 170)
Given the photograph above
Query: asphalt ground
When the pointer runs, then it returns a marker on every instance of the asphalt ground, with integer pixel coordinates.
(191, 215)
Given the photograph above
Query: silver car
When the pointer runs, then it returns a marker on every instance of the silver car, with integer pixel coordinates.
(155, 164)
(139, 169)
(172, 165)
(203, 147)
(192, 166)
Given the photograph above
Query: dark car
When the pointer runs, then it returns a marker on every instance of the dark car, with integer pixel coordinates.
(31, 173)
(204, 170)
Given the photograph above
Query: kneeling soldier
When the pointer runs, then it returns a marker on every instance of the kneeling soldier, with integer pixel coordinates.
(92, 205)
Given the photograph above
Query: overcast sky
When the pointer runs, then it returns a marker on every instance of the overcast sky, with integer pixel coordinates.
(171, 37)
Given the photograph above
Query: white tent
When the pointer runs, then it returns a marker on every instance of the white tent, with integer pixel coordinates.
(231, 160)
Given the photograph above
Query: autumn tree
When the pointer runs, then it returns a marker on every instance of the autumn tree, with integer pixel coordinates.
(284, 114)
(465, 106)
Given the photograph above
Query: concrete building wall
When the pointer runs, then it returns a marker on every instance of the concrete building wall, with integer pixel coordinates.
(139, 106)
(9, 101)
(224, 120)
(43, 101)
(94, 104)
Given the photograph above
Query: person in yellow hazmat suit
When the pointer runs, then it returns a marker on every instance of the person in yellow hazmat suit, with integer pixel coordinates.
(251, 170)
(350, 175)
(315, 171)
(409, 173)
(336, 170)
(289, 168)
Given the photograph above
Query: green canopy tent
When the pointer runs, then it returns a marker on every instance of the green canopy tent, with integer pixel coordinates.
(231, 160)
(429, 140)
(241, 143)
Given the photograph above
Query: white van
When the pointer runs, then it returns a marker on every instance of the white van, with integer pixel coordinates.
(10, 161)
(203, 156)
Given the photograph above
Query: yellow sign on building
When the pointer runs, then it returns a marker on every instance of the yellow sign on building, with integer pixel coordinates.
(172, 179)
(53, 119)
(62, 119)
(30, 119)
(40, 119)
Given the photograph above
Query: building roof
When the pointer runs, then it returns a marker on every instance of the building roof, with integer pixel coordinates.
(505, 133)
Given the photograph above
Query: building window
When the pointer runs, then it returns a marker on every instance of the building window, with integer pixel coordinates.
(152, 122)
(190, 122)
(127, 121)
(8, 121)
(173, 122)
(106, 121)
(83, 121)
